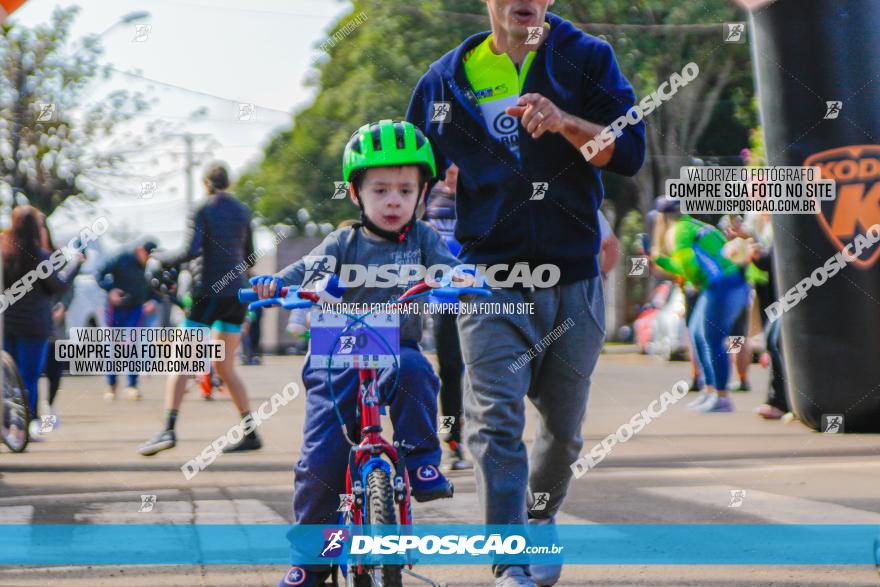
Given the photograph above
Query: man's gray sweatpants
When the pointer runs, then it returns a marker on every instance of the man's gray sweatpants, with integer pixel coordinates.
(548, 355)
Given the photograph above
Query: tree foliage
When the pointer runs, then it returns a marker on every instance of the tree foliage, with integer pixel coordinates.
(50, 142)
(370, 74)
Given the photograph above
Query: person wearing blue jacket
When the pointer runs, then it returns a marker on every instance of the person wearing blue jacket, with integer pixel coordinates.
(129, 299)
(512, 108)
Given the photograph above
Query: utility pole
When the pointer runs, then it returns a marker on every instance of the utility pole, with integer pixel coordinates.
(190, 164)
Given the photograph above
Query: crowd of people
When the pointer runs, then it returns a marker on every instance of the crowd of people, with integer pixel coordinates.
(219, 238)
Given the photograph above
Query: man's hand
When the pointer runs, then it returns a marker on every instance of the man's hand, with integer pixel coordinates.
(538, 114)
(114, 297)
(149, 307)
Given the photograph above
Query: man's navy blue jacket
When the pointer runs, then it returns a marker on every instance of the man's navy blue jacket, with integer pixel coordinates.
(497, 222)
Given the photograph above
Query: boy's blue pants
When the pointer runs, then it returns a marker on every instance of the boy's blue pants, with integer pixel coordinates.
(320, 471)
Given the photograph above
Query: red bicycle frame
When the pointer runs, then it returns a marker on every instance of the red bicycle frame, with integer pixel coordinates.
(373, 445)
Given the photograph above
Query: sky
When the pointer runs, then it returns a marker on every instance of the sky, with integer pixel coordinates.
(194, 55)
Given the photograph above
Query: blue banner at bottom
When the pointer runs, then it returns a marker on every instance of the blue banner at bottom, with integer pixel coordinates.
(619, 544)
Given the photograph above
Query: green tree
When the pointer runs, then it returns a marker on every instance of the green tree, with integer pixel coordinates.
(50, 142)
(371, 72)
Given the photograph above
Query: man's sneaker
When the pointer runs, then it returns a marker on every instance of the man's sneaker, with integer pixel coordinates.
(428, 483)
(548, 573)
(162, 441)
(455, 458)
(110, 394)
(133, 393)
(300, 577)
(514, 577)
(716, 403)
(248, 442)
(696, 402)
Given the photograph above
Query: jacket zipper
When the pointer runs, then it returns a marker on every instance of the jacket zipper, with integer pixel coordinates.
(533, 238)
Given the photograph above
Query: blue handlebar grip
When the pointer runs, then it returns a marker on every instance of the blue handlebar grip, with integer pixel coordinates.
(461, 291)
(266, 303)
(247, 295)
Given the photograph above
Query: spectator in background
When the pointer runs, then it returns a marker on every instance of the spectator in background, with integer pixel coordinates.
(219, 239)
(609, 251)
(732, 227)
(28, 321)
(54, 367)
(250, 338)
(696, 252)
(440, 214)
(760, 230)
(128, 300)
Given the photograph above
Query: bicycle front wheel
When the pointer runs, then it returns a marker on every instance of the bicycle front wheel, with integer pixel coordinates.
(15, 417)
(380, 511)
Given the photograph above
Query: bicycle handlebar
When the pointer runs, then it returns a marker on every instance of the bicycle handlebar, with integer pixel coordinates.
(461, 291)
(249, 296)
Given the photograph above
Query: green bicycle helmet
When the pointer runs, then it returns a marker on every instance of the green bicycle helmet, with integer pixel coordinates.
(388, 144)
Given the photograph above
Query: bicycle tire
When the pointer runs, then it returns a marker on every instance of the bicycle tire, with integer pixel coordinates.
(16, 415)
(380, 511)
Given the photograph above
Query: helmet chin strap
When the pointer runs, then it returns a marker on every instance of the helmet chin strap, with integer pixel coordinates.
(398, 236)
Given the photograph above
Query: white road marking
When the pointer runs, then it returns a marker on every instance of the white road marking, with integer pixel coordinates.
(16, 514)
(235, 511)
(780, 509)
(127, 512)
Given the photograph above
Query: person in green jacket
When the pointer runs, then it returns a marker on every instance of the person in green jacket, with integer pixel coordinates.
(692, 251)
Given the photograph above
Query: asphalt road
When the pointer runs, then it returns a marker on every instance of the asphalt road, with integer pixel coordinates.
(679, 469)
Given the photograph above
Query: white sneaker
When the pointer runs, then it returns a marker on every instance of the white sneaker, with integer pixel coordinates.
(514, 577)
(701, 397)
(133, 393)
(35, 431)
(110, 394)
(708, 404)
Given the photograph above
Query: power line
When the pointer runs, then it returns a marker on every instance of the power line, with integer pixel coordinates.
(600, 27)
(195, 92)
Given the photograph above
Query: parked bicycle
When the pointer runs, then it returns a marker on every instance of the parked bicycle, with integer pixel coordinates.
(15, 417)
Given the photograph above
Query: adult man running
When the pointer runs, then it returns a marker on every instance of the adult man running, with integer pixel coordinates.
(521, 105)
(219, 238)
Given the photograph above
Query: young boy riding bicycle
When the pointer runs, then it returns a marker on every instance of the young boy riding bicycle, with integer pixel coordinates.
(388, 166)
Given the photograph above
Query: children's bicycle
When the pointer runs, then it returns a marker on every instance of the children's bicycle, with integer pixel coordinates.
(15, 416)
(376, 478)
